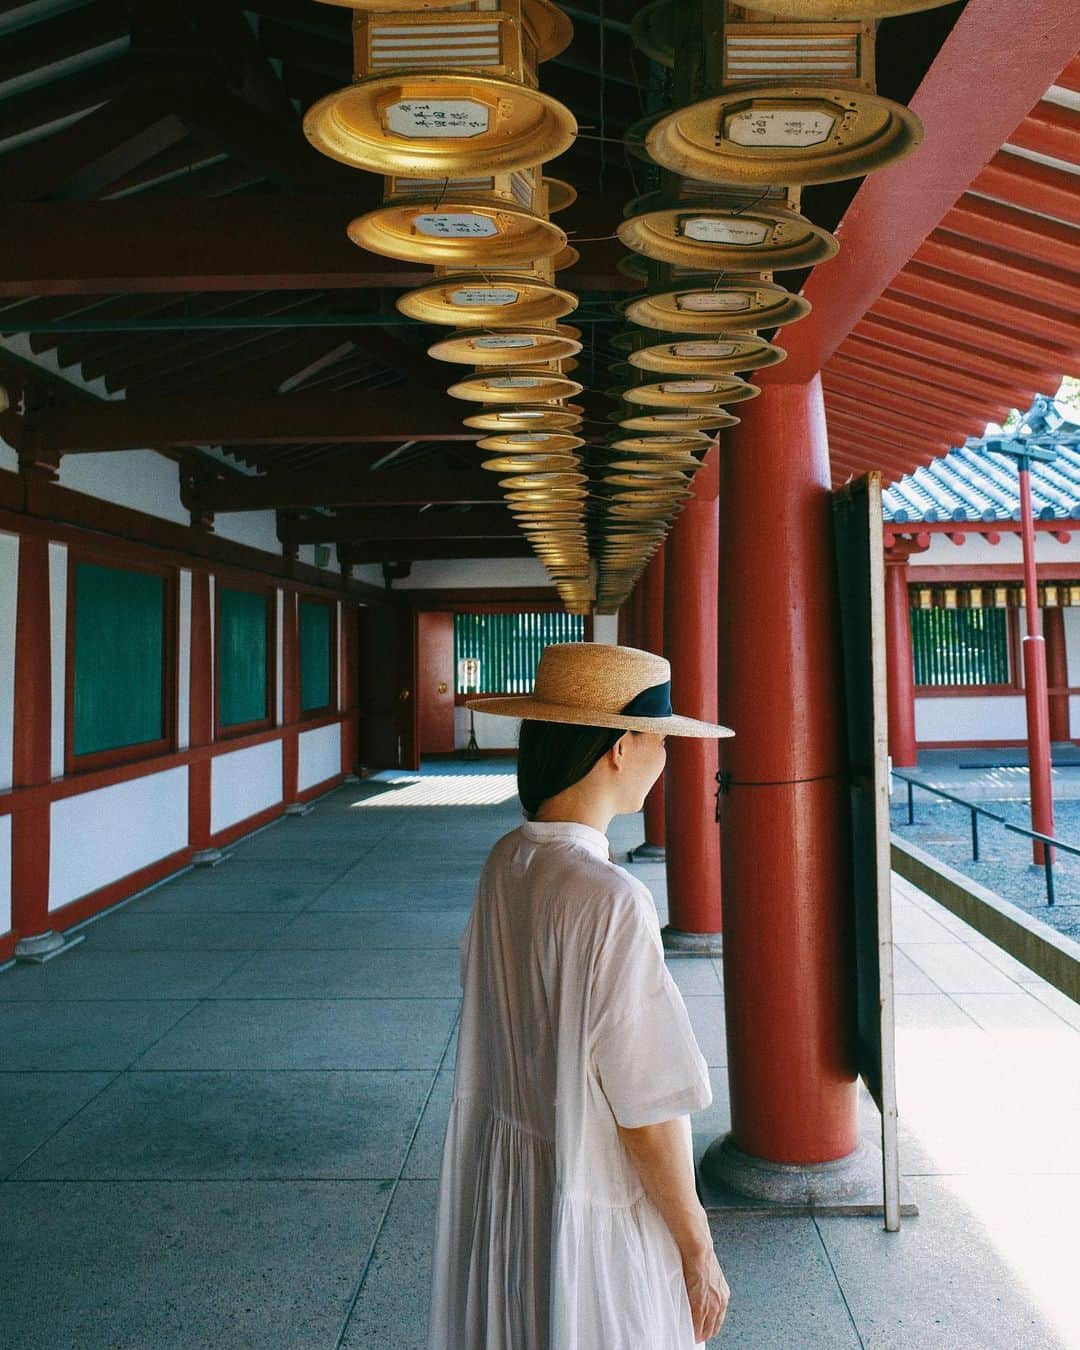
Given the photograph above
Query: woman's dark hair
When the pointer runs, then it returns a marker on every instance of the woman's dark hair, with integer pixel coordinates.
(553, 756)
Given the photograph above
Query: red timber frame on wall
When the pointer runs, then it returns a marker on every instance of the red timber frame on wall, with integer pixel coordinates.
(34, 791)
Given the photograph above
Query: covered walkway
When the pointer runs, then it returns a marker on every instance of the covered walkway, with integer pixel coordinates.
(221, 1114)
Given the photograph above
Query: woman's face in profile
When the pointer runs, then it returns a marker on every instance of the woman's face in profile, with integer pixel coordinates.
(645, 759)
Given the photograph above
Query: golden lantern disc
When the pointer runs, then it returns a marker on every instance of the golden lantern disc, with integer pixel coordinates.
(668, 420)
(714, 307)
(567, 257)
(706, 227)
(661, 482)
(530, 463)
(537, 417)
(524, 296)
(536, 442)
(660, 446)
(706, 356)
(669, 463)
(524, 482)
(459, 223)
(652, 32)
(560, 195)
(504, 346)
(446, 94)
(513, 383)
(691, 393)
(796, 105)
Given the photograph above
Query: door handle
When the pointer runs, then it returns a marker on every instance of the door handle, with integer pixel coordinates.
(403, 697)
(442, 687)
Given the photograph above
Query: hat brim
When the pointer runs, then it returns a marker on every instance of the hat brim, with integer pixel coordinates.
(535, 710)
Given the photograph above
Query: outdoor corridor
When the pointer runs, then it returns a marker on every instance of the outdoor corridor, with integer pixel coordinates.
(221, 1115)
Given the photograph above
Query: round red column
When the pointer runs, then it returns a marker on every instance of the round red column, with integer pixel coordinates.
(691, 829)
(899, 666)
(651, 639)
(1057, 671)
(788, 940)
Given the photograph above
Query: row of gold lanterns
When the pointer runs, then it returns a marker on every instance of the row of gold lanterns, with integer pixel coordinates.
(769, 98)
(446, 106)
(1051, 595)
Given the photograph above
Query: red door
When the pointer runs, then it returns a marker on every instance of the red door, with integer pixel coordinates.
(435, 682)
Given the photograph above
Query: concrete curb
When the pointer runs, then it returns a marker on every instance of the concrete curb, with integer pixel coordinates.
(1051, 955)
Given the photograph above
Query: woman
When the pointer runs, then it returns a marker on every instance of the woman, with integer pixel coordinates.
(568, 1217)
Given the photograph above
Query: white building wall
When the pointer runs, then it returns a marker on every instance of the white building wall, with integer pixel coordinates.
(142, 480)
(243, 783)
(9, 460)
(319, 756)
(996, 718)
(257, 529)
(9, 590)
(100, 836)
(606, 628)
(976, 550)
(458, 572)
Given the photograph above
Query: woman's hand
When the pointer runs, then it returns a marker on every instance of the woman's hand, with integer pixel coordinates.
(708, 1292)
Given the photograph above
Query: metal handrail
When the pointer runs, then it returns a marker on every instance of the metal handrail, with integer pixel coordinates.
(1048, 840)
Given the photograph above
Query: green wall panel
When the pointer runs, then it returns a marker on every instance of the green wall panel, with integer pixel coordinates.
(242, 656)
(119, 658)
(314, 655)
(508, 646)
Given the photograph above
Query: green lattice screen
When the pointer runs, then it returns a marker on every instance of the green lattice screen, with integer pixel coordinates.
(508, 647)
(960, 646)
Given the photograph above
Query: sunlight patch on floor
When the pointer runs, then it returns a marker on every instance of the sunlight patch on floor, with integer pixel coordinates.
(446, 790)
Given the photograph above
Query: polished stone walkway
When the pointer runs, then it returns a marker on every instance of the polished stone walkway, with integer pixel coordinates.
(221, 1115)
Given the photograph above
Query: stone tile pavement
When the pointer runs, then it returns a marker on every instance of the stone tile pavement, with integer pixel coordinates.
(221, 1115)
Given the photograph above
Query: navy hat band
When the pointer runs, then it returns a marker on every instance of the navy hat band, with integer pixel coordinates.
(652, 702)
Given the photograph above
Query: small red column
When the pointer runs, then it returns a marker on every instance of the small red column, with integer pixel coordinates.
(651, 639)
(788, 940)
(31, 756)
(1033, 650)
(1057, 672)
(349, 688)
(290, 703)
(691, 828)
(201, 723)
(899, 665)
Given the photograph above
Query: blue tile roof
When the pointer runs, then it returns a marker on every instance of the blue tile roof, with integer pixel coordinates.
(975, 484)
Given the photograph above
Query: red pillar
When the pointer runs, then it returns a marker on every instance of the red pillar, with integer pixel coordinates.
(201, 722)
(787, 905)
(692, 832)
(651, 639)
(1057, 672)
(349, 687)
(1035, 695)
(31, 755)
(290, 703)
(900, 673)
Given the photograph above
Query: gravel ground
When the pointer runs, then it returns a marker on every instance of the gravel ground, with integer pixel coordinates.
(944, 830)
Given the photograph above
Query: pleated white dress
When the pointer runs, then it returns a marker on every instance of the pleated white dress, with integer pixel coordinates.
(570, 1022)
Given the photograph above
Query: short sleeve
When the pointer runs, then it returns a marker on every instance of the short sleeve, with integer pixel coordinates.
(647, 1058)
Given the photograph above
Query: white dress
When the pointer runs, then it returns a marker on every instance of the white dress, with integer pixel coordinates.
(544, 1236)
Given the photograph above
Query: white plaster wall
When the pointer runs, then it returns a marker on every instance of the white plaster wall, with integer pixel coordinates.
(183, 662)
(370, 573)
(975, 549)
(606, 628)
(306, 554)
(1072, 643)
(492, 733)
(1074, 716)
(998, 718)
(257, 529)
(5, 874)
(9, 459)
(100, 836)
(432, 575)
(58, 562)
(9, 590)
(140, 479)
(243, 783)
(320, 756)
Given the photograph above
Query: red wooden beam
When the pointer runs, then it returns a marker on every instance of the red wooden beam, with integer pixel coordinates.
(414, 550)
(492, 522)
(341, 418)
(1050, 129)
(876, 414)
(865, 433)
(336, 487)
(981, 302)
(1036, 187)
(895, 210)
(1011, 228)
(992, 391)
(997, 369)
(868, 395)
(935, 401)
(1009, 273)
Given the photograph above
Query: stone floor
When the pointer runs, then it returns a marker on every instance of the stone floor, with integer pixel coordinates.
(221, 1115)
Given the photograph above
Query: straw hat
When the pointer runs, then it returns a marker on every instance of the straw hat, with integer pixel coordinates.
(593, 685)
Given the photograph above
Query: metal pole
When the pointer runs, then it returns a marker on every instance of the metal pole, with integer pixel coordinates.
(974, 835)
(1035, 683)
(910, 802)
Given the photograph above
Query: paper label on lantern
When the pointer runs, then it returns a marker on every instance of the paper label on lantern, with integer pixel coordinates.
(455, 225)
(484, 295)
(526, 414)
(715, 349)
(705, 302)
(725, 230)
(496, 341)
(514, 382)
(779, 128)
(529, 436)
(438, 118)
(689, 387)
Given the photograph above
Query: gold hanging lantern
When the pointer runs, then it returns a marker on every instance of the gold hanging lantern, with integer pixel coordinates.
(697, 419)
(677, 446)
(702, 356)
(691, 393)
(517, 442)
(483, 299)
(560, 195)
(786, 102)
(530, 463)
(539, 383)
(496, 221)
(506, 346)
(447, 94)
(687, 304)
(708, 226)
(537, 417)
